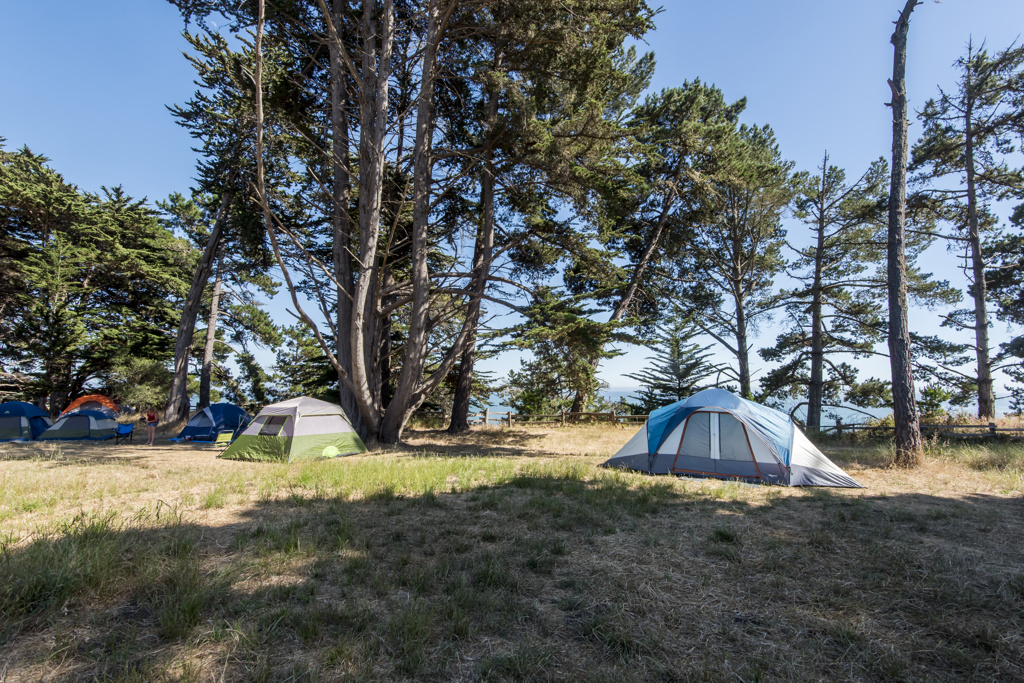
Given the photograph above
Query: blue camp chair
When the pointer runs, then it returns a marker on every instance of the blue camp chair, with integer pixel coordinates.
(124, 431)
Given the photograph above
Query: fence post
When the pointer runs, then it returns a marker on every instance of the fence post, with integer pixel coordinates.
(563, 417)
(487, 416)
(611, 415)
(839, 427)
(992, 428)
(510, 419)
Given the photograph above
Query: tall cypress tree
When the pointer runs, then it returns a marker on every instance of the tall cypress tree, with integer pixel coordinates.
(646, 216)
(98, 281)
(729, 268)
(967, 139)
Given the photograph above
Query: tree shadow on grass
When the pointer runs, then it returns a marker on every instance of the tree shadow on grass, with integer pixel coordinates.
(476, 443)
(542, 577)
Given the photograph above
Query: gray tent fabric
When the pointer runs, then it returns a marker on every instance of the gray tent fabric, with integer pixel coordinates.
(715, 433)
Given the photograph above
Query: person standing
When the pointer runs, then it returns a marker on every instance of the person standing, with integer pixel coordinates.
(152, 419)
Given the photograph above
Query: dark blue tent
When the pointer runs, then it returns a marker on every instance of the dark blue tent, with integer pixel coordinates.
(20, 421)
(212, 420)
(82, 424)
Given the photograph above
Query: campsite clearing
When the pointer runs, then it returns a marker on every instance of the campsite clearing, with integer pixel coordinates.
(504, 555)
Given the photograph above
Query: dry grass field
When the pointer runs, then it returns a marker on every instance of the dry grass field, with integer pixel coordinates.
(504, 555)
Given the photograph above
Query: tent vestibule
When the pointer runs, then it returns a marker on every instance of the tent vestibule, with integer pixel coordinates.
(20, 421)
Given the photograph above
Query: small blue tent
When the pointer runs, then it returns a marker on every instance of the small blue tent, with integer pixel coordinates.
(215, 418)
(20, 421)
(82, 424)
(715, 433)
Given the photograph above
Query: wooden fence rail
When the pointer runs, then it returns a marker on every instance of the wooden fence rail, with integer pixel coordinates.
(962, 430)
(510, 419)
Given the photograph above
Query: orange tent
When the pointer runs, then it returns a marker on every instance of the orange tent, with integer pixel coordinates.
(92, 402)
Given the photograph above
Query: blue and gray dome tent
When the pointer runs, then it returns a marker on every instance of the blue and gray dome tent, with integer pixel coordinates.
(20, 421)
(715, 433)
(82, 424)
(215, 418)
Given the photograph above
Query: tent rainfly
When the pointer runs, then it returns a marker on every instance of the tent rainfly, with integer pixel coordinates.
(82, 424)
(301, 428)
(715, 433)
(93, 402)
(20, 421)
(215, 418)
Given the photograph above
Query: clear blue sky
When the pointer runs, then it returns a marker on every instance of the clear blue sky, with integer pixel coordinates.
(86, 83)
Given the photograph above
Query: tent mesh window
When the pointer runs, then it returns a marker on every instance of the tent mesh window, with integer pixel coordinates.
(733, 439)
(697, 437)
(273, 424)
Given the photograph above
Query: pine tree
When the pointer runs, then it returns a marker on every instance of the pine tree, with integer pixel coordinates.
(645, 222)
(836, 309)
(562, 337)
(357, 63)
(233, 314)
(679, 368)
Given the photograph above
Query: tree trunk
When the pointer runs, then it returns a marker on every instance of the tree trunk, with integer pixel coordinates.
(979, 288)
(385, 349)
(740, 302)
(177, 402)
(742, 348)
(481, 270)
(206, 376)
(341, 224)
(406, 398)
(905, 415)
(815, 389)
(60, 397)
(373, 123)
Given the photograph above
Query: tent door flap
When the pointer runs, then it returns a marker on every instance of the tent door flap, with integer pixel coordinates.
(716, 446)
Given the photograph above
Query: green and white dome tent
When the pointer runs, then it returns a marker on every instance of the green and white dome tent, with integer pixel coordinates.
(301, 428)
